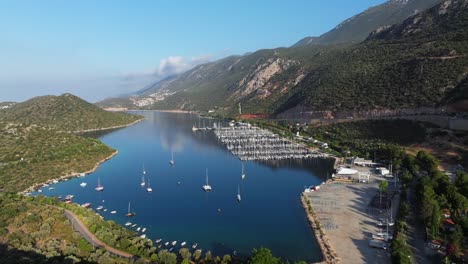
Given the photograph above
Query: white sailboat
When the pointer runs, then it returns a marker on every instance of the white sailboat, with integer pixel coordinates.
(99, 187)
(149, 189)
(238, 194)
(144, 172)
(207, 186)
(242, 174)
(172, 158)
(142, 184)
(129, 214)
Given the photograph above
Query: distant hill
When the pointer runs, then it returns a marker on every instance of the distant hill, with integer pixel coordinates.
(65, 112)
(418, 63)
(358, 27)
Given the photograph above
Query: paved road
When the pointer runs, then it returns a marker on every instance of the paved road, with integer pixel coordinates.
(79, 226)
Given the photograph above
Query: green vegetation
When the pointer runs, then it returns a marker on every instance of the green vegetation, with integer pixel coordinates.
(392, 69)
(436, 196)
(30, 154)
(66, 113)
(36, 232)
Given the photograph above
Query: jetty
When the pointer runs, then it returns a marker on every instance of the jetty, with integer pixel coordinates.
(248, 142)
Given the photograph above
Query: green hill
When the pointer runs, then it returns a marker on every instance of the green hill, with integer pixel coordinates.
(420, 62)
(45, 154)
(358, 27)
(65, 112)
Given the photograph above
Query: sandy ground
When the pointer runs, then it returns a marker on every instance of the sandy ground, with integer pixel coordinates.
(348, 221)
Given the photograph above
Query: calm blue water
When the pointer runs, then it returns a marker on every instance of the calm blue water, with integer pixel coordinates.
(269, 215)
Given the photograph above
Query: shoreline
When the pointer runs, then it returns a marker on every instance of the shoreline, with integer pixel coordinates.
(71, 175)
(328, 254)
(106, 128)
(164, 111)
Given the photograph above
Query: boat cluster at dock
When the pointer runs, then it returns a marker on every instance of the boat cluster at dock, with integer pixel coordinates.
(252, 143)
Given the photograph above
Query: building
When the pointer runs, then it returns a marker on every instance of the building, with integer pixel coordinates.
(383, 171)
(362, 162)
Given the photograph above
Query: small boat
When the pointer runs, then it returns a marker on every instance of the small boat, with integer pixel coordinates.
(86, 205)
(129, 214)
(149, 189)
(82, 174)
(39, 190)
(167, 243)
(113, 212)
(134, 225)
(105, 210)
(45, 185)
(238, 194)
(170, 250)
(174, 242)
(207, 186)
(99, 208)
(158, 240)
(138, 229)
(128, 224)
(55, 181)
(194, 128)
(51, 188)
(142, 184)
(242, 173)
(99, 187)
(143, 230)
(171, 161)
(83, 184)
(143, 236)
(195, 245)
(69, 197)
(183, 243)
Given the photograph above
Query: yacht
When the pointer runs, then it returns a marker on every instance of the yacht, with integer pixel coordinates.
(174, 242)
(158, 240)
(99, 208)
(143, 230)
(183, 243)
(207, 186)
(99, 187)
(128, 224)
(149, 189)
(129, 214)
(113, 212)
(242, 174)
(172, 158)
(143, 236)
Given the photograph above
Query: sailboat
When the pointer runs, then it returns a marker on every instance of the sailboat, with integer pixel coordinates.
(242, 174)
(144, 172)
(172, 158)
(99, 186)
(129, 214)
(206, 187)
(149, 189)
(142, 184)
(238, 194)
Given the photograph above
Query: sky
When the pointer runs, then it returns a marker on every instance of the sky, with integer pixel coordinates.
(100, 49)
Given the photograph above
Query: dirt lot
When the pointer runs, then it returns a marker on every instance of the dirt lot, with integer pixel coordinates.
(347, 219)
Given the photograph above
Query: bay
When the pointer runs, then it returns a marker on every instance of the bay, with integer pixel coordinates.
(269, 215)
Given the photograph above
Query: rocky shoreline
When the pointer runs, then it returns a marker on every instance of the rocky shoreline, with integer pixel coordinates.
(68, 176)
(107, 128)
(329, 255)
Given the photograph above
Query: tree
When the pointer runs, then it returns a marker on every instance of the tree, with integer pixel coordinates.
(166, 257)
(226, 259)
(185, 253)
(382, 188)
(263, 256)
(435, 222)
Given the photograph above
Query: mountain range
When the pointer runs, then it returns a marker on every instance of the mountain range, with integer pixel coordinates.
(363, 64)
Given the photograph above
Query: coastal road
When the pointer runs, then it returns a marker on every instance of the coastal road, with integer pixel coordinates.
(79, 226)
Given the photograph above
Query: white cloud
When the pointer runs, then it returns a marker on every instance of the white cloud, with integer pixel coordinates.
(168, 66)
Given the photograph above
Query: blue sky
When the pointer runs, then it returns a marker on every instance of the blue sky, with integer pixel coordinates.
(97, 49)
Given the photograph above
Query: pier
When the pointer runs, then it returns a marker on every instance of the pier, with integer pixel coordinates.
(252, 143)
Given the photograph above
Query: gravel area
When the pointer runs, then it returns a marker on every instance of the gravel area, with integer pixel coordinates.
(348, 221)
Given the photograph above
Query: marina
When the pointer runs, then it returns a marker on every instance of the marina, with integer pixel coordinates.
(248, 142)
(219, 222)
